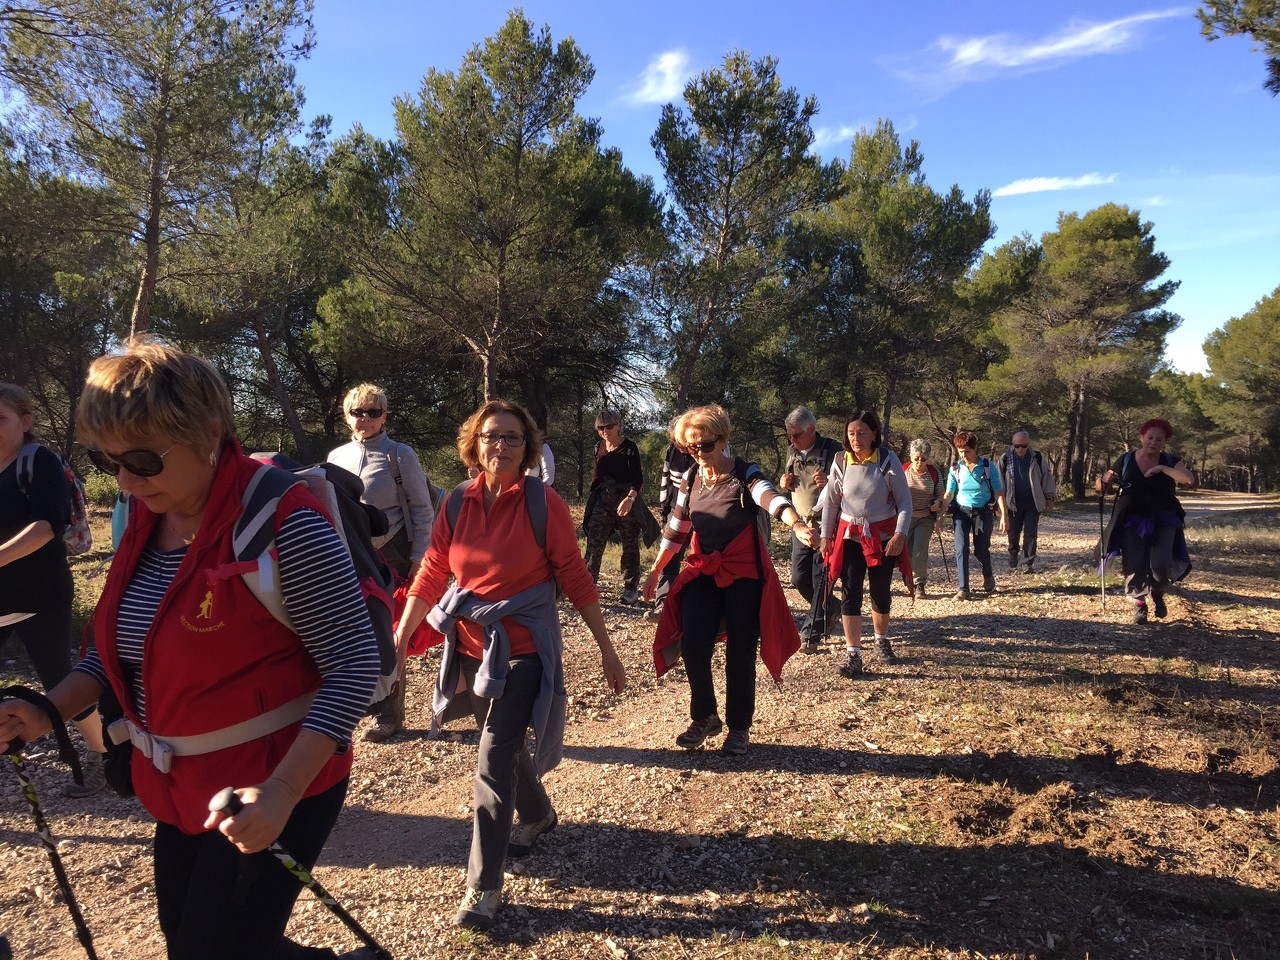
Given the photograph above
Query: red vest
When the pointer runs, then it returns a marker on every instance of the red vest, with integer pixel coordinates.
(214, 657)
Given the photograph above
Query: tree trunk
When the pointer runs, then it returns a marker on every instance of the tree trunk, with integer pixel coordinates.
(287, 409)
(140, 320)
(889, 390)
(1081, 453)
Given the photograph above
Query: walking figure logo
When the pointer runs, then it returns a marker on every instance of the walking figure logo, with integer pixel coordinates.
(206, 607)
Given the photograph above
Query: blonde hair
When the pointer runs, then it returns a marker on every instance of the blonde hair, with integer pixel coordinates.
(152, 389)
(469, 433)
(18, 398)
(711, 419)
(361, 394)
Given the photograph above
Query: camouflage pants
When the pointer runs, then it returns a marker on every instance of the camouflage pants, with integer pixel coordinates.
(603, 521)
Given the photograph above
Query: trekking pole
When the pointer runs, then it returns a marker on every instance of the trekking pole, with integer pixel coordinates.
(1102, 547)
(944, 555)
(68, 754)
(226, 801)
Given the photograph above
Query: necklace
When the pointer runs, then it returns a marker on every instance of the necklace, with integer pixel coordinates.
(185, 536)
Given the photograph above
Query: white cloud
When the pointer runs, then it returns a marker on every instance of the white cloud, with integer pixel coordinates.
(966, 59)
(824, 137)
(1045, 184)
(663, 79)
(1157, 201)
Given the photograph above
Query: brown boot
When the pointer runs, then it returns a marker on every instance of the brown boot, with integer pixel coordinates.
(390, 715)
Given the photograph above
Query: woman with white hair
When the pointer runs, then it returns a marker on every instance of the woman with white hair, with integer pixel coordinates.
(925, 482)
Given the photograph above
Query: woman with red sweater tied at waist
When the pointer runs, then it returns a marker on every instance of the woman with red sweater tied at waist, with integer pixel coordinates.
(728, 576)
(502, 637)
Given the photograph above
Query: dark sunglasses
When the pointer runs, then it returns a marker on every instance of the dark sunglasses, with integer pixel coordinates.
(606, 426)
(141, 463)
(1019, 446)
(706, 446)
(373, 413)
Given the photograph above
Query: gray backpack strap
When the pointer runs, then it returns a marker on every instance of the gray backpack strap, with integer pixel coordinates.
(27, 466)
(401, 496)
(255, 532)
(535, 499)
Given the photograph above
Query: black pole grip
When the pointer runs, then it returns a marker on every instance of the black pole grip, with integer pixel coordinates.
(226, 801)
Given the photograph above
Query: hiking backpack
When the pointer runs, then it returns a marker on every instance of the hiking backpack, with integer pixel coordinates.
(535, 499)
(77, 536)
(985, 465)
(356, 522)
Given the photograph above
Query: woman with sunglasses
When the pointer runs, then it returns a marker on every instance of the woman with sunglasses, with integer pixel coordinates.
(216, 691)
(866, 513)
(501, 630)
(728, 576)
(395, 483)
(35, 581)
(611, 504)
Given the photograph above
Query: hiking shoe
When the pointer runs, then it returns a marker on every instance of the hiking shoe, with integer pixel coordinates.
(524, 836)
(989, 582)
(1013, 561)
(698, 731)
(1158, 606)
(736, 743)
(654, 613)
(477, 909)
(95, 778)
(961, 595)
(811, 646)
(852, 666)
(920, 592)
(1139, 613)
(630, 598)
(884, 649)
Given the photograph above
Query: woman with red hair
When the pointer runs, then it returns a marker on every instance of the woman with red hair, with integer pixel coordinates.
(1146, 523)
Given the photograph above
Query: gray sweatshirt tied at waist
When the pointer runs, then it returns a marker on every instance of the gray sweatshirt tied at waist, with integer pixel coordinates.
(534, 608)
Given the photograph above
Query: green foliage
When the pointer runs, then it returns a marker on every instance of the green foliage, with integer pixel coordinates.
(100, 489)
(1259, 19)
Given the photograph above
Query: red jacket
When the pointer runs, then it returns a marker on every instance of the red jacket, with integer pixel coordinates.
(214, 657)
(744, 556)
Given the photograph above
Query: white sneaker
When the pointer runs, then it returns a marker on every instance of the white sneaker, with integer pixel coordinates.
(478, 909)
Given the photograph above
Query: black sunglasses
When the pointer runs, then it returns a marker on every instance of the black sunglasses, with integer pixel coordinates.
(373, 413)
(141, 463)
(1019, 446)
(706, 446)
(605, 426)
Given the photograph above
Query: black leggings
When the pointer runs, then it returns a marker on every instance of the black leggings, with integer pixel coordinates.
(738, 605)
(852, 573)
(47, 639)
(215, 902)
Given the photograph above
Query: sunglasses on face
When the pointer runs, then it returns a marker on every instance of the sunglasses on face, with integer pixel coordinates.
(510, 439)
(605, 426)
(1019, 446)
(141, 463)
(706, 446)
(372, 413)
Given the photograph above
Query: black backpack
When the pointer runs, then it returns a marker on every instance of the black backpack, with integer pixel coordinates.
(357, 523)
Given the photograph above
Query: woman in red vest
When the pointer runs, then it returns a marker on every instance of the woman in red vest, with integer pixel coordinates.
(216, 691)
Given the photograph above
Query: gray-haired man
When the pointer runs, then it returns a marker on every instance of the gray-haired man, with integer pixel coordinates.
(1029, 491)
(805, 475)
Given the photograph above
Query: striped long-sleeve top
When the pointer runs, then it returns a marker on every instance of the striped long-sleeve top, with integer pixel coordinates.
(323, 598)
(720, 511)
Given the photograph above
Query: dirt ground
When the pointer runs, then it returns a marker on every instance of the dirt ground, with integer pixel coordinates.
(1036, 777)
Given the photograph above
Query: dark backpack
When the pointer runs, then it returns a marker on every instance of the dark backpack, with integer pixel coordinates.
(535, 499)
(357, 522)
(77, 536)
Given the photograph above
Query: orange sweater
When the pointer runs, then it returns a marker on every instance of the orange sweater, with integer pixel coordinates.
(497, 557)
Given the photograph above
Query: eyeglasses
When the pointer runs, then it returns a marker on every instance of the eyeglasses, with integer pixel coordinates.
(372, 413)
(510, 439)
(606, 426)
(706, 446)
(1019, 446)
(141, 463)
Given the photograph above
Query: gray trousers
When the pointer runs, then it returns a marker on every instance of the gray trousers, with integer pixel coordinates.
(507, 781)
(918, 536)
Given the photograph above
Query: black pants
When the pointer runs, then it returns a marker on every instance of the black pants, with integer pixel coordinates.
(738, 605)
(855, 570)
(215, 902)
(806, 577)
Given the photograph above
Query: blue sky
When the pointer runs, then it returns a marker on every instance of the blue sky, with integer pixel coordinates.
(1052, 106)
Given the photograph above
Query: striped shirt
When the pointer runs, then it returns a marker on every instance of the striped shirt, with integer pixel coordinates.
(323, 598)
(717, 512)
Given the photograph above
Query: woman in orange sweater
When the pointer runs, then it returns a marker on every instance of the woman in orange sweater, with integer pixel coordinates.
(502, 637)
